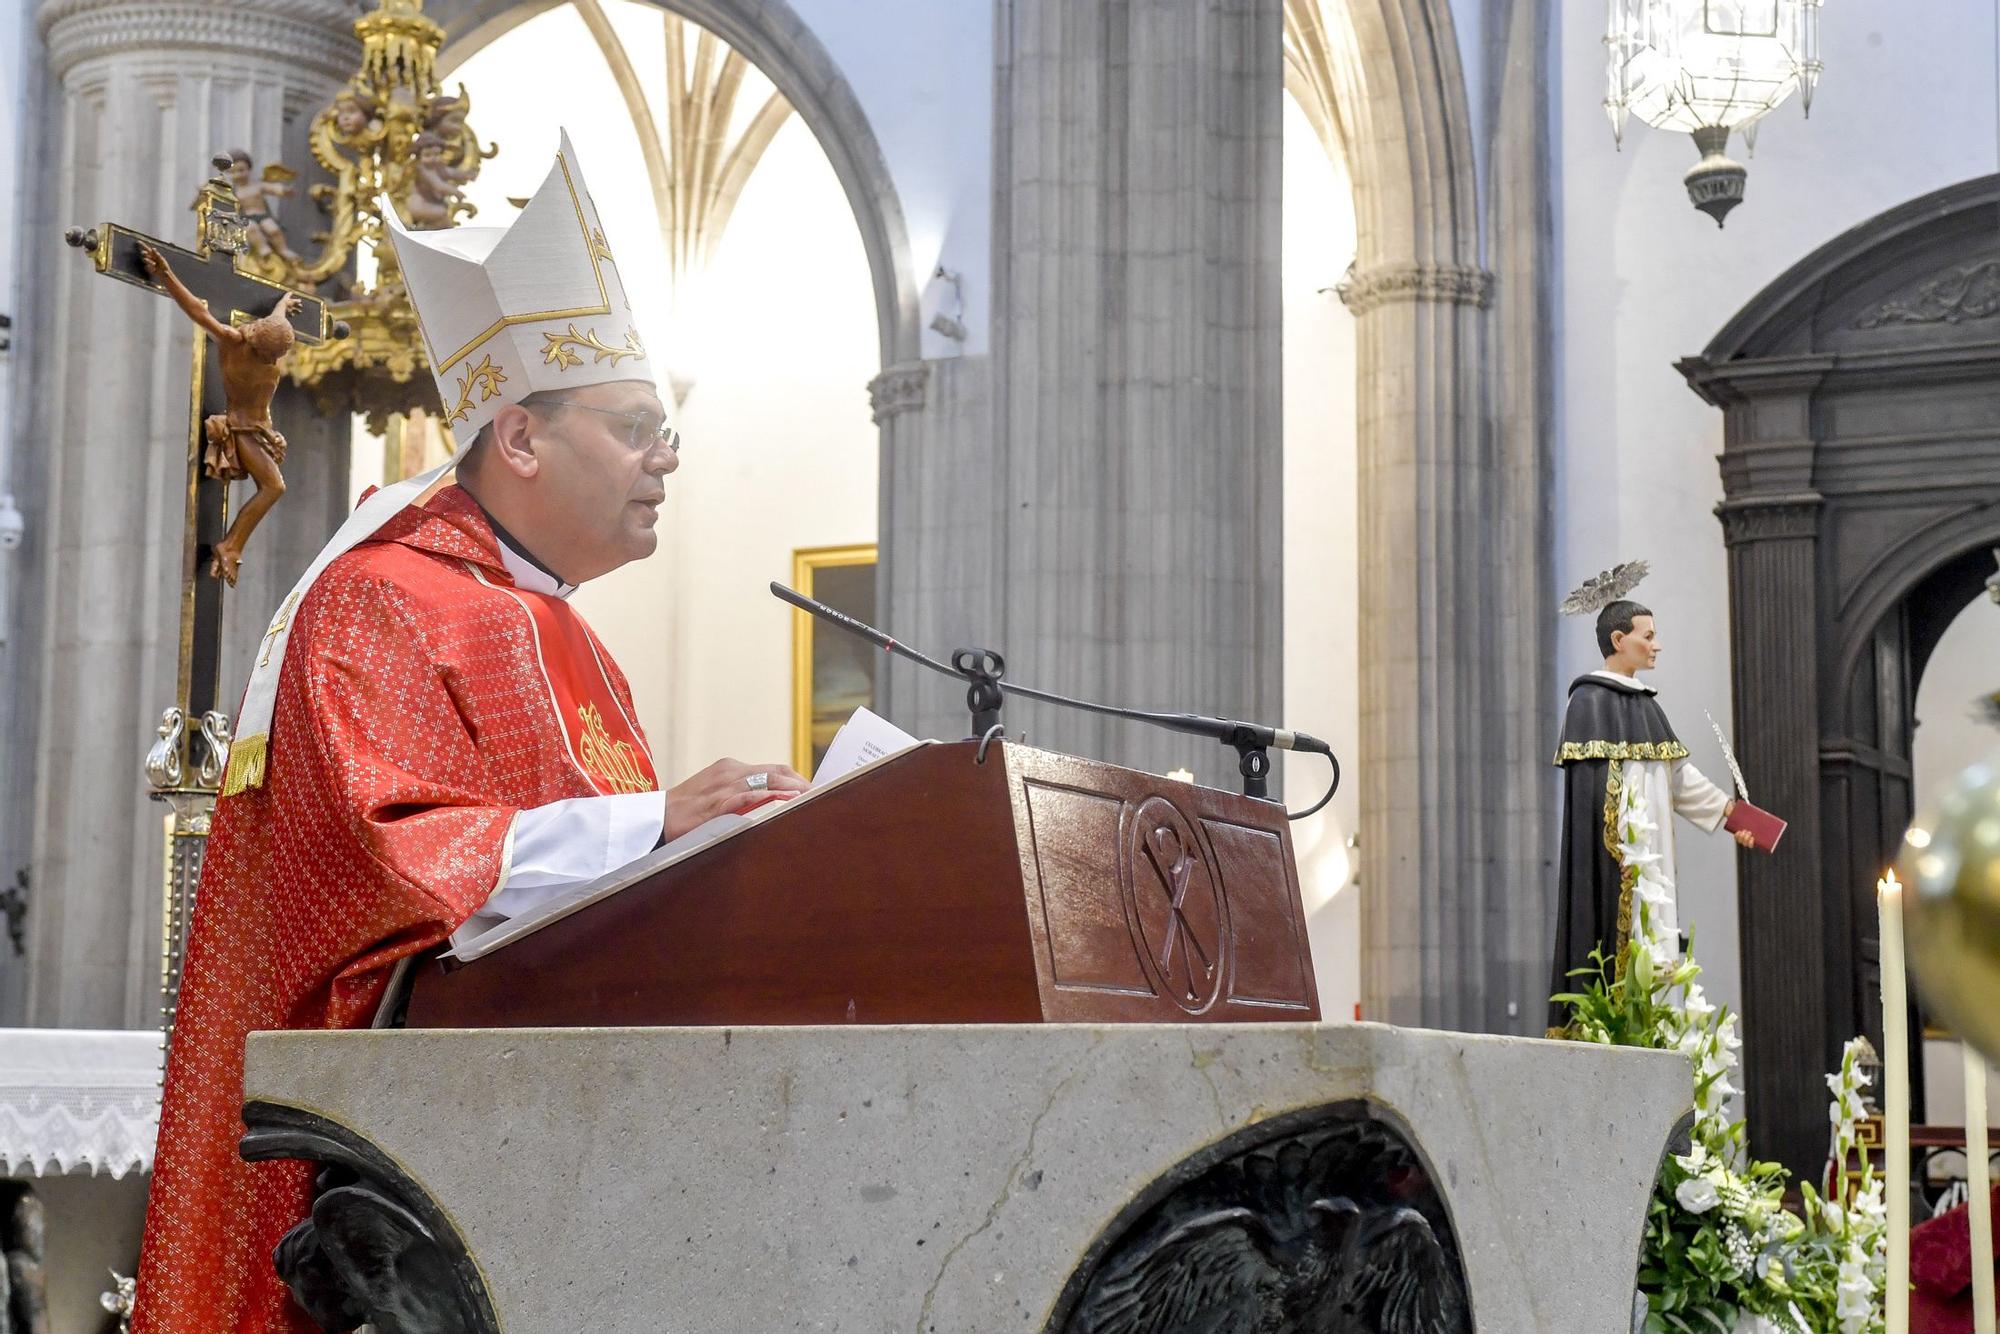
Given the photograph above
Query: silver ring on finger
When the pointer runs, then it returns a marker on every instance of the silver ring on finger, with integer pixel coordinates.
(757, 782)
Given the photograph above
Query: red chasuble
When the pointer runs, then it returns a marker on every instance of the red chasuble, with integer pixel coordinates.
(423, 702)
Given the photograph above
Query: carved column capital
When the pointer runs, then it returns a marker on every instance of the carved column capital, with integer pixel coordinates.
(898, 389)
(1363, 290)
(312, 34)
(1792, 517)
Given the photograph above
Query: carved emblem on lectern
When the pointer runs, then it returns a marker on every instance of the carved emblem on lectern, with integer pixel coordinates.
(1176, 902)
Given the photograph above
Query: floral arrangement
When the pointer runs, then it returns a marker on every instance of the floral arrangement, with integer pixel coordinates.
(1721, 1253)
(1844, 1251)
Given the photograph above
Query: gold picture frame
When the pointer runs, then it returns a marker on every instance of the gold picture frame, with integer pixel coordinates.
(821, 704)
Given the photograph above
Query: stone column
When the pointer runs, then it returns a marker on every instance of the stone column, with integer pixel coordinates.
(148, 92)
(1519, 630)
(1134, 513)
(1457, 614)
(1427, 751)
(939, 581)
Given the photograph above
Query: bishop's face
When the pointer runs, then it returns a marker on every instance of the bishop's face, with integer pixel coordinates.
(602, 473)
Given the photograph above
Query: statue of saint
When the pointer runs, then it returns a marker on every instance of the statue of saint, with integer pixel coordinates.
(1615, 735)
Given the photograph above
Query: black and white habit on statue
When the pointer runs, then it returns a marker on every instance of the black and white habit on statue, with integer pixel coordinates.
(1615, 735)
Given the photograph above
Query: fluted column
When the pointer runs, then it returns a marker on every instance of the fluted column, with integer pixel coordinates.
(1427, 756)
(148, 92)
(1135, 510)
(939, 581)
(1774, 625)
(1456, 624)
(1770, 521)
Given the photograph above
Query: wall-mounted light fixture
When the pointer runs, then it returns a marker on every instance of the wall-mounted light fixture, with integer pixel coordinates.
(950, 323)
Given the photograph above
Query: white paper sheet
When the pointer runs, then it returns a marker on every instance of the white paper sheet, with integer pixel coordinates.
(863, 739)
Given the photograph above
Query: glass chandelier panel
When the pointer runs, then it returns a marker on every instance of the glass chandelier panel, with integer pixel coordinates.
(1709, 64)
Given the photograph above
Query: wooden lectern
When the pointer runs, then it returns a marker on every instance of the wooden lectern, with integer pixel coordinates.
(936, 887)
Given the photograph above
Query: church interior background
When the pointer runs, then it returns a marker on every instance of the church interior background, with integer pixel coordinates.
(1278, 358)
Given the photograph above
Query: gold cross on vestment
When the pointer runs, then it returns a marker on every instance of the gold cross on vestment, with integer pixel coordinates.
(278, 627)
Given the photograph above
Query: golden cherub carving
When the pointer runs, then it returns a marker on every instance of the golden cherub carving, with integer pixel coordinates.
(256, 201)
(242, 441)
(434, 184)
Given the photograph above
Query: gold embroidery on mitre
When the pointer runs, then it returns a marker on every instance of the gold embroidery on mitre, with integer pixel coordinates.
(599, 246)
(560, 350)
(486, 378)
(613, 763)
(603, 306)
(1571, 751)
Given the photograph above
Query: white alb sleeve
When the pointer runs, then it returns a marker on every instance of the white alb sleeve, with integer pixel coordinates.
(1696, 799)
(568, 843)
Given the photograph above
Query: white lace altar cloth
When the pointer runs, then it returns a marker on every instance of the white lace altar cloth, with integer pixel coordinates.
(78, 1100)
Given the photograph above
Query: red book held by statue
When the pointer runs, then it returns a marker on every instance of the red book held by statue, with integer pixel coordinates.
(1764, 827)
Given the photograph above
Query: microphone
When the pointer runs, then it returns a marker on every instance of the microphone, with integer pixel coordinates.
(1228, 730)
(984, 668)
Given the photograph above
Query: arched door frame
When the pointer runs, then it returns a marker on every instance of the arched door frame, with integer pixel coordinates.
(1859, 460)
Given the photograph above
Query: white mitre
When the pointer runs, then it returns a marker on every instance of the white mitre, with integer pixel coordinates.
(533, 307)
(506, 312)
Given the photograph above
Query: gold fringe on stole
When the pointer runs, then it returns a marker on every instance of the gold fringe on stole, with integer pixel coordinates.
(1569, 752)
(246, 763)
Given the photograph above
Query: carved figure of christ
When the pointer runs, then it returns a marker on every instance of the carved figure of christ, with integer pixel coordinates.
(242, 440)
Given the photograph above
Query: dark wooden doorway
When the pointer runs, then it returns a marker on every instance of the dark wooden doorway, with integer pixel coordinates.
(1861, 481)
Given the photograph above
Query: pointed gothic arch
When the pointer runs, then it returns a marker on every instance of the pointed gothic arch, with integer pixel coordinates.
(1454, 480)
(773, 38)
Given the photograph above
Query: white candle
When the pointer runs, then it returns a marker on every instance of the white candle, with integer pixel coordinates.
(1979, 1180)
(1895, 1102)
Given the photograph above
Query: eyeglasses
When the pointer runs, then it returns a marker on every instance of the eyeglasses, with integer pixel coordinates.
(644, 432)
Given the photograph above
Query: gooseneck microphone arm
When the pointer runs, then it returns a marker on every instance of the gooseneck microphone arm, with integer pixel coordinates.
(983, 669)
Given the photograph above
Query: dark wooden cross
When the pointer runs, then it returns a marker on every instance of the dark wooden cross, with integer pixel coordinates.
(185, 758)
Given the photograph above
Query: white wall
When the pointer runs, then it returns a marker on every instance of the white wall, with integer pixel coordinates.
(1950, 738)
(1906, 107)
(1322, 572)
(779, 449)
(923, 73)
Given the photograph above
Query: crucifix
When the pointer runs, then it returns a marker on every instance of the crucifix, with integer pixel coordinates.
(229, 435)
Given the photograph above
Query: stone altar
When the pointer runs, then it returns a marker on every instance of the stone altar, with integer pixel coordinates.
(978, 1178)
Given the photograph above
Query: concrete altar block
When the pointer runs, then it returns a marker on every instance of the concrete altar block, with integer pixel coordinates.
(975, 1179)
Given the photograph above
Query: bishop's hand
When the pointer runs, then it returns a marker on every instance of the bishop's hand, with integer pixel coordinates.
(727, 787)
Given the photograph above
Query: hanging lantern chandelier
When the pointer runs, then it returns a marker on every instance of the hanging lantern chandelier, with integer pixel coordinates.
(1710, 67)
